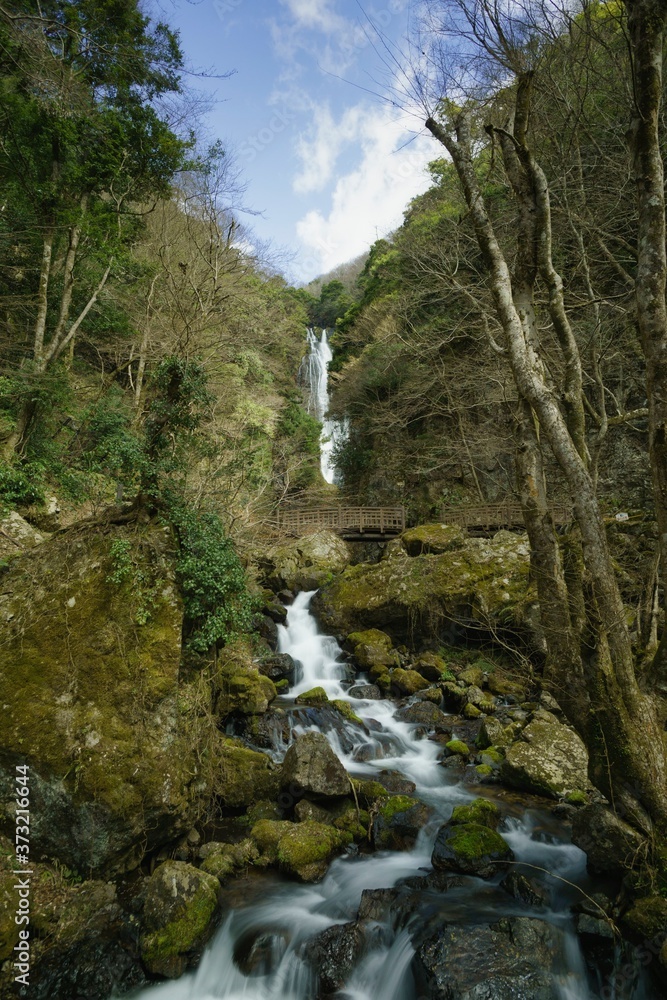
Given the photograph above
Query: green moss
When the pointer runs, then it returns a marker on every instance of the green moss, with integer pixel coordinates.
(316, 696)
(647, 917)
(480, 811)
(396, 804)
(408, 681)
(180, 935)
(472, 841)
(484, 770)
(371, 637)
(282, 686)
(577, 798)
(305, 849)
(457, 747)
(492, 756)
(245, 776)
(346, 710)
(266, 835)
(356, 825)
(370, 792)
(471, 711)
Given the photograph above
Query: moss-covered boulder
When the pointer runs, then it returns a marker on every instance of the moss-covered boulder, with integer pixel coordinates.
(313, 769)
(480, 811)
(17, 535)
(486, 582)
(431, 666)
(180, 904)
(306, 563)
(307, 848)
(316, 696)
(457, 748)
(549, 759)
(407, 682)
(224, 860)
(470, 849)
(372, 649)
(425, 713)
(433, 539)
(399, 821)
(241, 689)
(245, 776)
(611, 844)
(93, 701)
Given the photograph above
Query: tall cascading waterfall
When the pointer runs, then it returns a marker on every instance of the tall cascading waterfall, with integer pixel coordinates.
(314, 374)
(277, 921)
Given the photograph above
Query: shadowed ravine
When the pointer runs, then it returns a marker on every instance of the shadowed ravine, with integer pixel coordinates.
(276, 920)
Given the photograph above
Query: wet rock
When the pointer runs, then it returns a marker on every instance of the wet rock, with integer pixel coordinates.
(181, 902)
(275, 611)
(376, 904)
(550, 760)
(398, 823)
(268, 630)
(255, 952)
(492, 733)
(333, 954)
(278, 667)
(611, 844)
(368, 751)
(311, 765)
(481, 811)
(268, 731)
(470, 849)
(306, 563)
(370, 692)
(510, 960)
(525, 889)
(395, 783)
(425, 713)
(316, 696)
(588, 926)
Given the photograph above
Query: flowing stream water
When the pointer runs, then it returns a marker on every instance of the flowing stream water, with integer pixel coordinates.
(284, 916)
(314, 375)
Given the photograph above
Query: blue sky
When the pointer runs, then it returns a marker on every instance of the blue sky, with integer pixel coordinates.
(329, 166)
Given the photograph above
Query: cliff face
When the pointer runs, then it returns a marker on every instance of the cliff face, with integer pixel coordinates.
(89, 683)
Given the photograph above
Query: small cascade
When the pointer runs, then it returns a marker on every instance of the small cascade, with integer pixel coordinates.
(261, 950)
(314, 374)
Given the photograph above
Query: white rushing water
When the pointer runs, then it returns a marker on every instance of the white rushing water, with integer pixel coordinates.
(314, 374)
(282, 917)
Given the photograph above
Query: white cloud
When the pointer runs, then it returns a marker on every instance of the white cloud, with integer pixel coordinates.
(368, 201)
(319, 149)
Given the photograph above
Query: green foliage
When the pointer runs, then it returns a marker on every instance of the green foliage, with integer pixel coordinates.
(333, 303)
(121, 560)
(21, 485)
(218, 606)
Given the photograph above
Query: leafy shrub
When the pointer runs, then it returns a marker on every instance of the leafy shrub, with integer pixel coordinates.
(21, 485)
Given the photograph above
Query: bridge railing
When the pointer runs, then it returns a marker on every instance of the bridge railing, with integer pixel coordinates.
(497, 515)
(383, 520)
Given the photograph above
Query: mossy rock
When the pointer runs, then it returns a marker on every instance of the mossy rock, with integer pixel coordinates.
(399, 821)
(245, 776)
(316, 696)
(373, 648)
(347, 711)
(480, 811)
(177, 917)
(472, 676)
(241, 688)
(432, 539)
(647, 918)
(307, 563)
(454, 696)
(470, 849)
(305, 850)
(311, 766)
(457, 747)
(471, 711)
(493, 758)
(229, 859)
(370, 792)
(266, 835)
(407, 682)
(95, 703)
(550, 760)
(486, 581)
(493, 733)
(354, 823)
(431, 666)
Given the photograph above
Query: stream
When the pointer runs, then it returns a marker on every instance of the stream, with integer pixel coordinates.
(284, 916)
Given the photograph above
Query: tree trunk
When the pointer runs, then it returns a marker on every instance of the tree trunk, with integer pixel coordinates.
(625, 742)
(647, 24)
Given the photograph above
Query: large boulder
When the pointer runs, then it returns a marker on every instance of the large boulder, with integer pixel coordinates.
(311, 767)
(550, 759)
(433, 539)
(302, 850)
(245, 776)
(180, 904)
(333, 955)
(306, 563)
(510, 960)
(485, 582)
(93, 701)
(17, 535)
(373, 648)
(240, 687)
(611, 844)
(398, 823)
(470, 848)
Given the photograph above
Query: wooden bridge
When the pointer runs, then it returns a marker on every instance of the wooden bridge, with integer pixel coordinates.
(379, 523)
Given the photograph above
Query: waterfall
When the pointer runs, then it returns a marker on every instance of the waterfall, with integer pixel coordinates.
(283, 918)
(314, 373)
